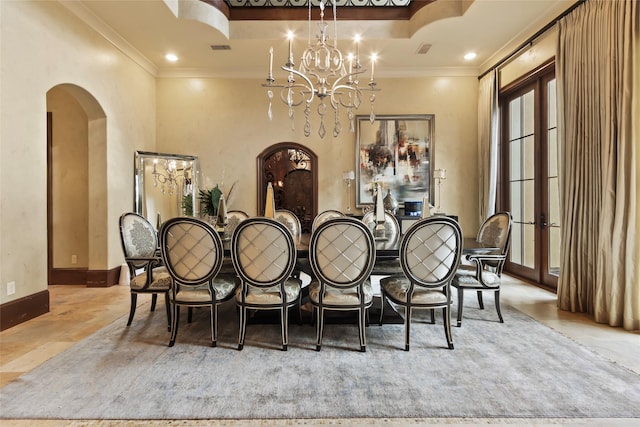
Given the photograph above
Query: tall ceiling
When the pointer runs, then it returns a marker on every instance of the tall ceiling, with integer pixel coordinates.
(147, 30)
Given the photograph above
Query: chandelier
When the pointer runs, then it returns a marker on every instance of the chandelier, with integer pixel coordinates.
(323, 75)
(171, 177)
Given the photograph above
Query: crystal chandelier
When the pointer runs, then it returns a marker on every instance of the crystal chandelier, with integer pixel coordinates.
(171, 177)
(323, 75)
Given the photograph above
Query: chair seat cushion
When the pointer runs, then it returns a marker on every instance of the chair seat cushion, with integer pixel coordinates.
(271, 295)
(345, 297)
(161, 281)
(224, 285)
(468, 281)
(398, 288)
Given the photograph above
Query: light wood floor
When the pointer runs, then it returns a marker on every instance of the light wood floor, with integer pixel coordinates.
(77, 312)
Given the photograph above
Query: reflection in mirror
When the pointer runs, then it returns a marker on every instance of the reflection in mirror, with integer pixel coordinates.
(165, 185)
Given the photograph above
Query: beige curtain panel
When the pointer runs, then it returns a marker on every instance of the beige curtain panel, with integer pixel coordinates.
(488, 144)
(599, 119)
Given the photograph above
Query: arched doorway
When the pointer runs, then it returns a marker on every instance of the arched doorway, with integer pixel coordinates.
(76, 153)
(292, 169)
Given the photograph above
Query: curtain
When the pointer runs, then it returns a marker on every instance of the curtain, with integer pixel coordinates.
(487, 144)
(598, 117)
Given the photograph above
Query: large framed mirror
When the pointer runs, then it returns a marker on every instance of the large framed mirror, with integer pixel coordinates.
(165, 185)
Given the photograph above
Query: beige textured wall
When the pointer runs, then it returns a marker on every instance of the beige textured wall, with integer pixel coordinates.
(43, 45)
(224, 122)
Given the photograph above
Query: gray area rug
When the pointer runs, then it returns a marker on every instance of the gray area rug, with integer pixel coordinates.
(517, 369)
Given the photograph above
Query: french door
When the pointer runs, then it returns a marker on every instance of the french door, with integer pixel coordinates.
(529, 177)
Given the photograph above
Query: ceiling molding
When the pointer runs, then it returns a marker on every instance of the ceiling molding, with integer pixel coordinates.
(110, 35)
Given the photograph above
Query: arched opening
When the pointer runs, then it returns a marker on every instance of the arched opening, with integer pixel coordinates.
(76, 187)
(292, 169)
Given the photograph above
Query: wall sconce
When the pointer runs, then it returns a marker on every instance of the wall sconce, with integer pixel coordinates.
(348, 177)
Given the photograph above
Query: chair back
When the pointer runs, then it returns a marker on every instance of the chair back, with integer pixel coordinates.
(234, 217)
(191, 249)
(342, 252)
(138, 237)
(495, 231)
(263, 252)
(291, 221)
(430, 251)
(391, 228)
(325, 215)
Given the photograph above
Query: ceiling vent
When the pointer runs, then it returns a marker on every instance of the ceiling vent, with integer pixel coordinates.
(423, 49)
(220, 47)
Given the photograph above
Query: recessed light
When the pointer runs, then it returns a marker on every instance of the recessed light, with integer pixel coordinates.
(171, 57)
(469, 56)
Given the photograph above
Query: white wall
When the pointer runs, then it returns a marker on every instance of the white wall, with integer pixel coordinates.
(43, 45)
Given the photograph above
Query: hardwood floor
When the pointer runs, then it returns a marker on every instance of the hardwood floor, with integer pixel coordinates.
(77, 312)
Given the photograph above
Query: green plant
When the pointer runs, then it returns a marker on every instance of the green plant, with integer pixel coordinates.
(187, 204)
(209, 199)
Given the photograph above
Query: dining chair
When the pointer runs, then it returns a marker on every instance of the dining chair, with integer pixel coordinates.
(429, 256)
(385, 267)
(192, 252)
(147, 274)
(291, 221)
(485, 274)
(324, 216)
(264, 255)
(234, 218)
(342, 253)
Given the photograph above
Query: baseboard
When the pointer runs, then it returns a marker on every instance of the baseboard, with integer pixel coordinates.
(103, 278)
(83, 276)
(22, 309)
(68, 276)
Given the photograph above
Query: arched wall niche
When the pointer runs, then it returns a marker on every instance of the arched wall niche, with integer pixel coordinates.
(77, 211)
(292, 169)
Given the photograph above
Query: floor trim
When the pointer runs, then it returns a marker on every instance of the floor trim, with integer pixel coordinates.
(22, 309)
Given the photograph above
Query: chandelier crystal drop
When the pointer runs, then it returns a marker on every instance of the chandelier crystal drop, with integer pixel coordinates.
(325, 75)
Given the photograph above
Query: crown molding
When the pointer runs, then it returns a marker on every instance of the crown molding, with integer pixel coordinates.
(110, 35)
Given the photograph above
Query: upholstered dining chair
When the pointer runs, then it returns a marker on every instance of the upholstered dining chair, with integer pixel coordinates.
(148, 276)
(429, 256)
(264, 255)
(342, 253)
(484, 275)
(291, 221)
(234, 218)
(192, 252)
(324, 216)
(385, 267)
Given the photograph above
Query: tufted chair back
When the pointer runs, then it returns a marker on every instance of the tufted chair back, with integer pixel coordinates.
(495, 231)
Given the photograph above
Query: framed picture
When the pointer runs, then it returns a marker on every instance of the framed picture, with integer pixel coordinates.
(397, 152)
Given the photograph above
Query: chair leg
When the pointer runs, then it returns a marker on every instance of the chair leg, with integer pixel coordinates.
(407, 326)
(174, 324)
(433, 316)
(284, 320)
(319, 328)
(243, 327)
(381, 308)
(168, 307)
(363, 316)
(132, 310)
(214, 323)
(460, 305)
(190, 315)
(497, 296)
(480, 302)
(446, 314)
(154, 300)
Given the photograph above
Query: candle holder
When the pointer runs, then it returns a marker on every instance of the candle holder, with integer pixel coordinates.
(348, 177)
(439, 175)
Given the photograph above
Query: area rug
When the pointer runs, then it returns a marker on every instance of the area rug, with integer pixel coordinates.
(520, 368)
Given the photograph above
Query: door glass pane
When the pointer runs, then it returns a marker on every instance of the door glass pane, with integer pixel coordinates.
(515, 164)
(528, 245)
(515, 253)
(515, 127)
(528, 157)
(515, 206)
(528, 113)
(553, 184)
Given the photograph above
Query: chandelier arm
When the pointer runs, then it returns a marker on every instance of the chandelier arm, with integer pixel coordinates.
(310, 86)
